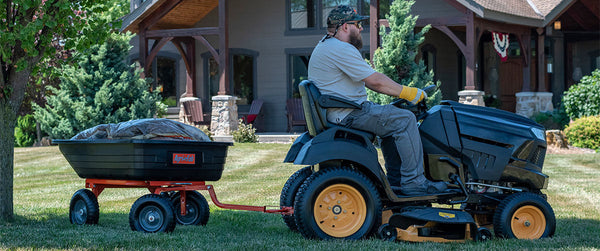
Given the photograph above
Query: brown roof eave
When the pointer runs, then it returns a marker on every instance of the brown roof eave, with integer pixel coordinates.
(513, 19)
(557, 11)
(131, 20)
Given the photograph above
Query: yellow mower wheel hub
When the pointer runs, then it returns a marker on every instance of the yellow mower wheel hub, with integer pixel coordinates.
(340, 210)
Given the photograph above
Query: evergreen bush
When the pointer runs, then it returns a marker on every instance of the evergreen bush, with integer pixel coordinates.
(396, 58)
(584, 132)
(555, 120)
(583, 99)
(100, 88)
(25, 131)
(245, 133)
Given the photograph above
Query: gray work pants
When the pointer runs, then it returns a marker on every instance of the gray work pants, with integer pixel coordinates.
(401, 143)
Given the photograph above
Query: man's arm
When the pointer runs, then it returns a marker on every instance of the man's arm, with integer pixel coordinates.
(381, 83)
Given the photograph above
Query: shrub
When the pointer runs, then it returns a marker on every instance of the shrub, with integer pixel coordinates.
(555, 120)
(99, 88)
(25, 131)
(584, 132)
(245, 133)
(583, 99)
(396, 57)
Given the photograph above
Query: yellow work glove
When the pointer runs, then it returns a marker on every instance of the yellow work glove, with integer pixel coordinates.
(412, 94)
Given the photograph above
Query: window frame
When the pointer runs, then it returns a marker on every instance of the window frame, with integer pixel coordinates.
(320, 24)
(232, 52)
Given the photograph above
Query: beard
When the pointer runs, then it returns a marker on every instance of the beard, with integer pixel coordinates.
(356, 40)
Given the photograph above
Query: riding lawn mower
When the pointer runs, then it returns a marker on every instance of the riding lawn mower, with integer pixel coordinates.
(491, 160)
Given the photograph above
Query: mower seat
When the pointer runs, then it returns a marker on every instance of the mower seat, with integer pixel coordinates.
(315, 110)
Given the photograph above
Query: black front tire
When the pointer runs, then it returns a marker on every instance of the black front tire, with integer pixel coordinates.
(337, 203)
(197, 210)
(524, 215)
(84, 208)
(288, 194)
(152, 213)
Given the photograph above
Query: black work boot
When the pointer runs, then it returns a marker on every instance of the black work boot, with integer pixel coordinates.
(425, 188)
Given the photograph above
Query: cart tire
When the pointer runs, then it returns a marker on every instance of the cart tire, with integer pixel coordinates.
(152, 213)
(84, 208)
(524, 216)
(197, 210)
(337, 203)
(288, 194)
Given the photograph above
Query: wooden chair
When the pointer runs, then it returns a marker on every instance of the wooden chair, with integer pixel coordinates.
(193, 113)
(295, 113)
(254, 116)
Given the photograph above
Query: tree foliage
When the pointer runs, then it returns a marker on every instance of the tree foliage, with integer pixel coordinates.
(30, 31)
(101, 88)
(396, 57)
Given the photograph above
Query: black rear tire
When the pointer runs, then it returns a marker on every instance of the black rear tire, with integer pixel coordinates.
(288, 194)
(197, 210)
(84, 208)
(524, 215)
(152, 213)
(337, 203)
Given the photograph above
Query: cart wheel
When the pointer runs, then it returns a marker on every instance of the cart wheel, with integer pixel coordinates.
(337, 203)
(152, 213)
(484, 234)
(288, 194)
(387, 232)
(84, 208)
(197, 210)
(524, 216)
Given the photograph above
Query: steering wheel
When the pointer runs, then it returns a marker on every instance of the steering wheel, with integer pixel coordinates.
(419, 109)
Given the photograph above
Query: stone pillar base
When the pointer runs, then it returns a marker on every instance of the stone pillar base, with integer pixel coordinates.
(471, 97)
(530, 103)
(182, 117)
(224, 115)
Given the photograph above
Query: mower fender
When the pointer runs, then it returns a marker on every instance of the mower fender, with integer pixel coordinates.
(325, 147)
(296, 147)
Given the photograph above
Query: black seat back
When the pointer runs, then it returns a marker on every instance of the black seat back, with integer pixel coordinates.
(315, 115)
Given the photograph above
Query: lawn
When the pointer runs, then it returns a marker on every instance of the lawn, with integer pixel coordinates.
(254, 174)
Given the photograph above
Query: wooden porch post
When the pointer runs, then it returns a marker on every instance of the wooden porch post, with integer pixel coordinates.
(541, 61)
(374, 31)
(143, 49)
(470, 52)
(525, 41)
(190, 83)
(223, 48)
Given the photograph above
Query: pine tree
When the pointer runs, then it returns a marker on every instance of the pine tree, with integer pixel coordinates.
(100, 88)
(396, 57)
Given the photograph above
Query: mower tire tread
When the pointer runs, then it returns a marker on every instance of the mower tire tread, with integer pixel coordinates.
(288, 194)
(505, 216)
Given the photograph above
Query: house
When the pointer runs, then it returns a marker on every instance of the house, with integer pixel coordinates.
(207, 49)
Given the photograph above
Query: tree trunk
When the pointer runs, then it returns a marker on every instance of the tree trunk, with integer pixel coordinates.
(7, 144)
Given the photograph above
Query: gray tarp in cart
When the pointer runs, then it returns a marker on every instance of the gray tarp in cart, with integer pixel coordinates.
(156, 129)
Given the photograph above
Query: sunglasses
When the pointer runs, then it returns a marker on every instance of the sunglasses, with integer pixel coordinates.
(358, 24)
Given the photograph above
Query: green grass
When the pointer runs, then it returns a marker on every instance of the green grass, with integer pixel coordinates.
(254, 174)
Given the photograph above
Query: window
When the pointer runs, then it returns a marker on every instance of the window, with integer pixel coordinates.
(311, 15)
(243, 75)
(298, 71)
(163, 73)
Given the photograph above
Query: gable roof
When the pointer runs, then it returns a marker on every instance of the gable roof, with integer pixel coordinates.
(536, 13)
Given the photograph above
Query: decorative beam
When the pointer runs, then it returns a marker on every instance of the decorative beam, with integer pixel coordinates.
(155, 48)
(190, 32)
(177, 44)
(211, 49)
(579, 20)
(159, 13)
(461, 46)
(457, 6)
(593, 7)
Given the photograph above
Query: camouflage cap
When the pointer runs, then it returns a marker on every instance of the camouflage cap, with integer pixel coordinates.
(342, 14)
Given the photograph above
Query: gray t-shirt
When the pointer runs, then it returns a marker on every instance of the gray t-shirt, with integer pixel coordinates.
(337, 69)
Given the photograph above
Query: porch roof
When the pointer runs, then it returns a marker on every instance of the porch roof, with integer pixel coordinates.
(536, 13)
(185, 15)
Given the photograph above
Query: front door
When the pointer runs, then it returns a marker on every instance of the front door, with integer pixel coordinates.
(511, 82)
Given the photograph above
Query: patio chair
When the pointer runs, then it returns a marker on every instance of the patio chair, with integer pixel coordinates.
(193, 113)
(254, 115)
(295, 113)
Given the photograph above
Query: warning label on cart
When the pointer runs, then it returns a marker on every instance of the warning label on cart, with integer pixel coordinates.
(184, 158)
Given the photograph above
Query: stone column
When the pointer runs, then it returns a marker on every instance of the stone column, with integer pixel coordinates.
(224, 119)
(526, 103)
(471, 97)
(544, 101)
